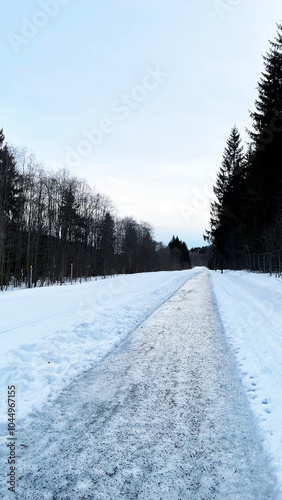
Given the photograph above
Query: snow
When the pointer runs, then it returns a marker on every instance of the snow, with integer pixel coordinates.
(251, 313)
(50, 335)
(162, 417)
(54, 341)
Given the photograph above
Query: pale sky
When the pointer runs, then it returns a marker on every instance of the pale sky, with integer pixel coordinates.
(136, 97)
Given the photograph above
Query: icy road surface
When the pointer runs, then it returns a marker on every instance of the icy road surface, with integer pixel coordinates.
(48, 336)
(163, 417)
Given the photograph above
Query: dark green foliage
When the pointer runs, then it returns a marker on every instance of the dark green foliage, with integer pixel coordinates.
(269, 102)
(247, 212)
(226, 225)
(264, 178)
(179, 254)
(11, 202)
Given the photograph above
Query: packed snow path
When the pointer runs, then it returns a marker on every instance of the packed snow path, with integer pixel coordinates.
(163, 417)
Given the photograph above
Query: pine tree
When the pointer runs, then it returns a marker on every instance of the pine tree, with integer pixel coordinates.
(10, 209)
(264, 177)
(185, 255)
(226, 223)
(269, 103)
(179, 254)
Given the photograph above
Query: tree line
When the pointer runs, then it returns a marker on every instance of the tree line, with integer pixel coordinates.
(246, 216)
(53, 221)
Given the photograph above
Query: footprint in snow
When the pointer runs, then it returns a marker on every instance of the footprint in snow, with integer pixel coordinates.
(265, 402)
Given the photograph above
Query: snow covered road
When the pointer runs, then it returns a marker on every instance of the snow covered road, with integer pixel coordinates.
(164, 416)
(50, 335)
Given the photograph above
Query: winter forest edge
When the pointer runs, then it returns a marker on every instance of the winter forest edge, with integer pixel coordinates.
(52, 222)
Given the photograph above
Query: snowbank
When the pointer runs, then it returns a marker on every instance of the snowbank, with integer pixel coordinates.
(250, 306)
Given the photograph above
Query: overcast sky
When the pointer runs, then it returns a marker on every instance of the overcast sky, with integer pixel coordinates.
(137, 97)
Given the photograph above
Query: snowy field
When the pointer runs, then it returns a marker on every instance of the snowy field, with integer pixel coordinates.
(250, 307)
(50, 336)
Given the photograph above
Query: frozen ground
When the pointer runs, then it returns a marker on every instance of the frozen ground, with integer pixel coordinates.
(48, 336)
(164, 416)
